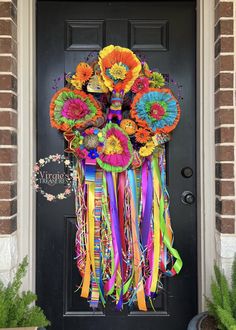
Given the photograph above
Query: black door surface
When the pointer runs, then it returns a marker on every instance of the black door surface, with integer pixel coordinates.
(163, 32)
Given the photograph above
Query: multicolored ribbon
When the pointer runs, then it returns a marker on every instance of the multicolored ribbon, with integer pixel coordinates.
(124, 242)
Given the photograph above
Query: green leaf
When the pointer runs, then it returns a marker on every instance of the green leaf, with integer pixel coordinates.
(216, 293)
(225, 317)
(15, 307)
(224, 288)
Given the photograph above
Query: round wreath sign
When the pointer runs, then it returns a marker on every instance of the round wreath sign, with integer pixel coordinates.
(57, 158)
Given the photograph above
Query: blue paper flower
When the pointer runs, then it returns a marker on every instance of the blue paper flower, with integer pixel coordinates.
(156, 109)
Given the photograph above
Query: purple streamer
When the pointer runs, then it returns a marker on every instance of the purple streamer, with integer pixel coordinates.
(148, 207)
(115, 236)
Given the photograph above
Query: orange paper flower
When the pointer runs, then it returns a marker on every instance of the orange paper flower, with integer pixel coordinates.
(83, 72)
(119, 67)
(142, 135)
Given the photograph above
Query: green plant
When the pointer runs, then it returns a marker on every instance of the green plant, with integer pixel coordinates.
(16, 309)
(223, 304)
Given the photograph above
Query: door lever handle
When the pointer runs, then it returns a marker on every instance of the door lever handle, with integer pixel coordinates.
(187, 198)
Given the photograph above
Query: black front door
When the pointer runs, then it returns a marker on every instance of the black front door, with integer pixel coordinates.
(164, 33)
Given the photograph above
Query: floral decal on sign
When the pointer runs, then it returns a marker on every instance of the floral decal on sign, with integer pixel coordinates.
(51, 179)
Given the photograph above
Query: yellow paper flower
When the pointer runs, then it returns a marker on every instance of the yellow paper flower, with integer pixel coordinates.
(118, 71)
(147, 150)
(113, 146)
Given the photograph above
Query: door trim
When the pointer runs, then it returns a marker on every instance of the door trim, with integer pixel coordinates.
(205, 148)
(205, 141)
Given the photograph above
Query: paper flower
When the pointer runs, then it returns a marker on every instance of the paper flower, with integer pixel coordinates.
(157, 110)
(73, 108)
(157, 80)
(93, 153)
(117, 154)
(141, 84)
(142, 135)
(119, 67)
(147, 150)
(128, 126)
(83, 72)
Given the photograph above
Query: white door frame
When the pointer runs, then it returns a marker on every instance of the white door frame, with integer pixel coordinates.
(205, 137)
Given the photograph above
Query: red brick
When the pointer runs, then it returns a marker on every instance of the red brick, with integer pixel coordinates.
(224, 153)
(8, 226)
(225, 171)
(225, 225)
(8, 82)
(224, 116)
(7, 9)
(224, 135)
(224, 63)
(223, 98)
(8, 137)
(8, 208)
(224, 45)
(8, 100)
(8, 190)
(8, 64)
(223, 9)
(8, 45)
(225, 27)
(8, 155)
(224, 188)
(8, 118)
(8, 28)
(8, 173)
(225, 206)
(224, 80)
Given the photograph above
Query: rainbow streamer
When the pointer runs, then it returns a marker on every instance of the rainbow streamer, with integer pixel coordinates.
(124, 241)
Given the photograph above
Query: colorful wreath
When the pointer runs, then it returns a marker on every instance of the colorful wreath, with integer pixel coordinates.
(117, 115)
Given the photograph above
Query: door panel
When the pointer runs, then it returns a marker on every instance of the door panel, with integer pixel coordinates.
(164, 34)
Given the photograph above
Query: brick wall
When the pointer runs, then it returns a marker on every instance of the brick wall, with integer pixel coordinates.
(8, 137)
(225, 130)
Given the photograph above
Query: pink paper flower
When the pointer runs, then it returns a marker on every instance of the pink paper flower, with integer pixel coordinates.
(75, 109)
(118, 151)
(157, 111)
(141, 84)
